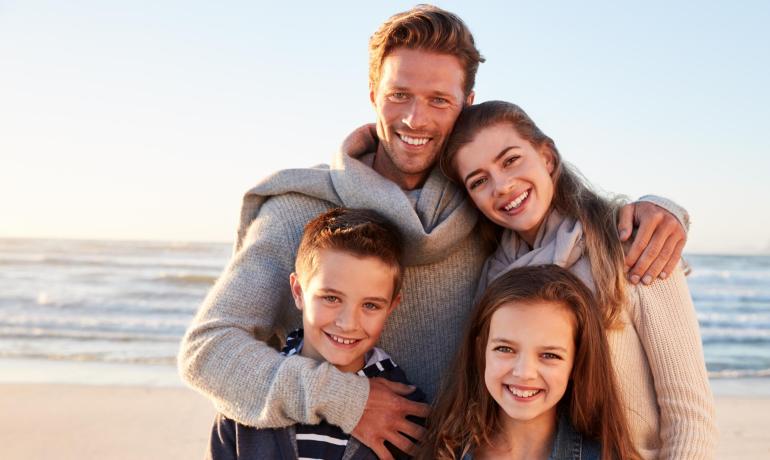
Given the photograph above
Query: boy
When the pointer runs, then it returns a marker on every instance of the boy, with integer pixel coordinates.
(346, 282)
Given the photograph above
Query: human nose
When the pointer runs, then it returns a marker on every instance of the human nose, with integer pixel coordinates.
(415, 116)
(502, 185)
(346, 319)
(524, 368)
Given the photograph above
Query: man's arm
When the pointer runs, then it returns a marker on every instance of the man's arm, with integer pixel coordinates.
(247, 380)
(661, 232)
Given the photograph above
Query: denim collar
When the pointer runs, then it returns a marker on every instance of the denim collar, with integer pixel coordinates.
(568, 444)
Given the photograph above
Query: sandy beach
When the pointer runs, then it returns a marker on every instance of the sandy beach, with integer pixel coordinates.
(44, 421)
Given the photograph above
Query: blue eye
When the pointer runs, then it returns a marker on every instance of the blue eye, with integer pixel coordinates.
(503, 349)
(550, 356)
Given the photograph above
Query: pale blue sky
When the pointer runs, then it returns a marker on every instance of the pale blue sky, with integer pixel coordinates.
(135, 120)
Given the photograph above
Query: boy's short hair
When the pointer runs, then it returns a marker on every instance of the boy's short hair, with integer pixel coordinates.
(427, 28)
(360, 232)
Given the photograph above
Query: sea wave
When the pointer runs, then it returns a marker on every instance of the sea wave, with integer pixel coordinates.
(42, 333)
(112, 263)
(739, 373)
(753, 320)
(89, 357)
(734, 297)
(735, 335)
(140, 303)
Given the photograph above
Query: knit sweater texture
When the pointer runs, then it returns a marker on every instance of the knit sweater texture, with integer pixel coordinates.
(224, 353)
(657, 353)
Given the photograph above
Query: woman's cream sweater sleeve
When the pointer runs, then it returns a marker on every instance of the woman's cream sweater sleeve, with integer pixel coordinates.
(668, 328)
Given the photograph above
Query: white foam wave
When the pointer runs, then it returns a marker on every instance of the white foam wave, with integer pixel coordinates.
(739, 373)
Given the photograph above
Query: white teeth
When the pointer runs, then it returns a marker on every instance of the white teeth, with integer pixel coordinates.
(414, 140)
(517, 202)
(341, 340)
(522, 393)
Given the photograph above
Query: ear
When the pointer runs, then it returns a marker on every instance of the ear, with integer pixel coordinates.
(550, 160)
(296, 291)
(394, 303)
(470, 98)
(372, 95)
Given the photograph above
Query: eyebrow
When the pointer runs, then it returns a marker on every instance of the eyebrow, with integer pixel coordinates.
(547, 348)
(340, 293)
(497, 157)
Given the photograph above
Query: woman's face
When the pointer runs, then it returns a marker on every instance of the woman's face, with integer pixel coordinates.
(529, 355)
(507, 178)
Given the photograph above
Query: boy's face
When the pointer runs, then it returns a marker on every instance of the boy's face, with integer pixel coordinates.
(344, 307)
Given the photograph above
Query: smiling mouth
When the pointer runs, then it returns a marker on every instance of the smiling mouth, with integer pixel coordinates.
(415, 141)
(341, 340)
(516, 202)
(523, 394)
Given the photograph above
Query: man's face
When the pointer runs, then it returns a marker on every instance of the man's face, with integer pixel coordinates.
(418, 98)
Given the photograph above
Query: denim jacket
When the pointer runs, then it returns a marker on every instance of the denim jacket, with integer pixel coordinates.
(568, 445)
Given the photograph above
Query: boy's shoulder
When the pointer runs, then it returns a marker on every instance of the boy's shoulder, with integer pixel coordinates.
(233, 440)
(380, 364)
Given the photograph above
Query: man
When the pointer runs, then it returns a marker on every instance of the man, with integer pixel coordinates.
(422, 72)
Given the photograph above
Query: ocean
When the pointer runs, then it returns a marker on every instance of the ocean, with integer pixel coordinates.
(70, 305)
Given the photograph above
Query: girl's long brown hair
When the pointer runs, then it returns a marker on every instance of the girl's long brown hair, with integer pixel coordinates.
(573, 197)
(466, 416)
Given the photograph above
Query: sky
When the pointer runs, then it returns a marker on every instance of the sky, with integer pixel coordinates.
(149, 120)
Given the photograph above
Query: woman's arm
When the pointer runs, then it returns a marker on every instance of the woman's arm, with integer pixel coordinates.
(668, 329)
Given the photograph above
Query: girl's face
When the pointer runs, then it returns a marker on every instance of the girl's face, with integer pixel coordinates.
(508, 179)
(529, 355)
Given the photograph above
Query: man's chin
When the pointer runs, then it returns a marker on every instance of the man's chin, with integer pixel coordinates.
(416, 164)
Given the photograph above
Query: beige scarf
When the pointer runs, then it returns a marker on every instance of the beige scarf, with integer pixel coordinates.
(559, 241)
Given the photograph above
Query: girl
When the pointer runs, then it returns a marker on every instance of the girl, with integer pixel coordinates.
(532, 377)
(514, 174)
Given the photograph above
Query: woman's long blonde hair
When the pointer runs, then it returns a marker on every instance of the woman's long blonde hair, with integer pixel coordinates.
(573, 197)
(466, 416)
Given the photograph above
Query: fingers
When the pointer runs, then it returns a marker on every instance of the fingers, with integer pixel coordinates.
(626, 221)
(660, 261)
(415, 408)
(411, 429)
(659, 251)
(639, 272)
(403, 444)
(676, 255)
(641, 241)
(396, 387)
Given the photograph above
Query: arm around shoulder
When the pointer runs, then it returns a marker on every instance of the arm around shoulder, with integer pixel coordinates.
(668, 328)
(224, 356)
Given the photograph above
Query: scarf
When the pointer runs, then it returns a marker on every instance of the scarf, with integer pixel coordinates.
(559, 241)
